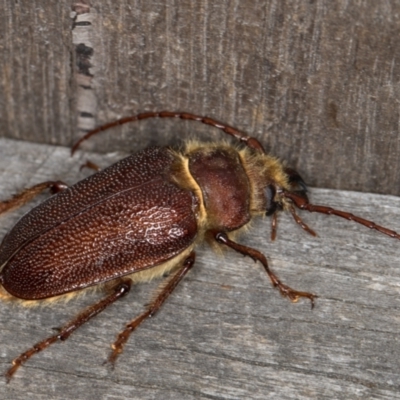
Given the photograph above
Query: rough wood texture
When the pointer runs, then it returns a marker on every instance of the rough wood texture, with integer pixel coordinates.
(225, 333)
(36, 85)
(317, 81)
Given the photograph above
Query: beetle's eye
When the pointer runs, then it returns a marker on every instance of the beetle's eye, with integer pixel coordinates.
(296, 181)
(272, 205)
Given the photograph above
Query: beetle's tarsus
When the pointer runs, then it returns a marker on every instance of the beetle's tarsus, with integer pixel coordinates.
(295, 295)
(113, 357)
(10, 372)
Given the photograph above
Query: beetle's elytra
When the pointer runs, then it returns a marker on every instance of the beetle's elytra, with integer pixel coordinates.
(143, 217)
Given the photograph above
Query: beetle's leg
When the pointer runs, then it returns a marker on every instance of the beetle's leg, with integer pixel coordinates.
(120, 290)
(285, 290)
(152, 308)
(248, 140)
(90, 165)
(26, 195)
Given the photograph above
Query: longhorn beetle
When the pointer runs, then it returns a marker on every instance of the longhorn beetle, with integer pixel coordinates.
(143, 217)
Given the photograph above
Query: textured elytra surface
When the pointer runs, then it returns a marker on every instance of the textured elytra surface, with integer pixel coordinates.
(129, 173)
(225, 333)
(121, 220)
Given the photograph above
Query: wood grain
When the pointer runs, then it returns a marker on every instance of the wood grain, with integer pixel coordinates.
(225, 333)
(317, 81)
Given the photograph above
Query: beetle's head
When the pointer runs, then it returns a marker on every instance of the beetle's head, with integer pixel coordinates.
(276, 201)
(279, 198)
(295, 195)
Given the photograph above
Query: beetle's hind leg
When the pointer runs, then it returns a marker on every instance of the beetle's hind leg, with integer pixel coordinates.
(119, 290)
(152, 308)
(27, 195)
(285, 290)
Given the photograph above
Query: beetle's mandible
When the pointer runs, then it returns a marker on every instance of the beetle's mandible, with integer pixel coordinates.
(143, 217)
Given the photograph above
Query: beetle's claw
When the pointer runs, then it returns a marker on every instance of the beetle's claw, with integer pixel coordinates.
(10, 372)
(295, 295)
(112, 359)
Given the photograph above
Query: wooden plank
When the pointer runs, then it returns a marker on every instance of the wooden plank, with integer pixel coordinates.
(225, 333)
(316, 81)
(36, 69)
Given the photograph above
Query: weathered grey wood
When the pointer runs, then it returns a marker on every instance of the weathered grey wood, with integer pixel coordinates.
(37, 89)
(225, 333)
(317, 81)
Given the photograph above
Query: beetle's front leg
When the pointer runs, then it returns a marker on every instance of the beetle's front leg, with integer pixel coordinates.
(153, 307)
(293, 295)
(27, 195)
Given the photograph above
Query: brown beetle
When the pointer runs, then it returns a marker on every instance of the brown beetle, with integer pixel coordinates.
(143, 217)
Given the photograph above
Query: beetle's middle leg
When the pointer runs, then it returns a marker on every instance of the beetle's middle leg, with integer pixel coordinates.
(285, 290)
(27, 195)
(119, 290)
(152, 308)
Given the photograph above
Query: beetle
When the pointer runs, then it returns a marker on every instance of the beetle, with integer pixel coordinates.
(142, 217)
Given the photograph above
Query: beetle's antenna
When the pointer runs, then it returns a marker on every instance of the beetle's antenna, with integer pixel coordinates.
(301, 222)
(302, 203)
(248, 140)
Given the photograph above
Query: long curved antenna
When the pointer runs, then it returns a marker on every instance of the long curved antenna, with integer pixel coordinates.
(248, 140)
(302, 203)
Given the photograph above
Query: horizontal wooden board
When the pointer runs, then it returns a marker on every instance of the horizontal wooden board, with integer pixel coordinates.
(224, 333)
